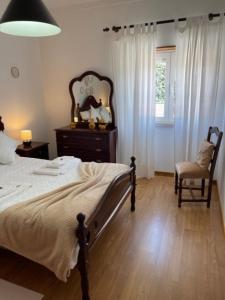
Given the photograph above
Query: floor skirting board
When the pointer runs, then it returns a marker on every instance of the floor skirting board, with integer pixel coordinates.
(168, 174)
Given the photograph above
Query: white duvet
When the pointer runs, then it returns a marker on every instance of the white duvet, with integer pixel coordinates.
(20, 184)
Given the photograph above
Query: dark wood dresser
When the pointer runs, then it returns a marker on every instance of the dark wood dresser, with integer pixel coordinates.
(88, 145)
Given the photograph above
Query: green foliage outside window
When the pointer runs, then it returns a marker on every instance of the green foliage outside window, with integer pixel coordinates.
(160, 82)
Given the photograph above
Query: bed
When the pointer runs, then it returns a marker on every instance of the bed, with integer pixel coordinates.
(86, 229)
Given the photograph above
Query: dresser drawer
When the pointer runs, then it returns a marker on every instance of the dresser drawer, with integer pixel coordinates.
(68, 147)
(40, 153)
(85, 141)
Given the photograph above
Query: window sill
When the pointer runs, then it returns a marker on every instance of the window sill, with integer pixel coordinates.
(164, 124)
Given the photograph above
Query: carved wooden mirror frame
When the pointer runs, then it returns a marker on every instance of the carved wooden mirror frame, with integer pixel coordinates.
(101, 78)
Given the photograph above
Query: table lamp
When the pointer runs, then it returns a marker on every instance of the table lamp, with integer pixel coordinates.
(26, 137)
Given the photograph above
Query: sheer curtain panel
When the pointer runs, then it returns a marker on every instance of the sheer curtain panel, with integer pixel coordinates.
(199, 69)
(134, 78)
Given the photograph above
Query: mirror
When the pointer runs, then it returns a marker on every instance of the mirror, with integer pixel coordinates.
(91, 96)
(91, 85)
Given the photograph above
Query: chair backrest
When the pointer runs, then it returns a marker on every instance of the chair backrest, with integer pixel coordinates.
(219, 135)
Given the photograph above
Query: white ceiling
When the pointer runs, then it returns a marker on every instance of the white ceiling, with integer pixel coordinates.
(57, 3)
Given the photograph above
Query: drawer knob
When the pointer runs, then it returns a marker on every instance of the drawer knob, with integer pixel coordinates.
(98, 150)
(98, 139)
(66, 147)
(65, 136)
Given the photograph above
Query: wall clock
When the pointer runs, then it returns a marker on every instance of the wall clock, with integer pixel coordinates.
(15, 72)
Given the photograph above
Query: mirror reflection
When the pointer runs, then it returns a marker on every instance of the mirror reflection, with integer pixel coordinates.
(91, 86)
(91, 96)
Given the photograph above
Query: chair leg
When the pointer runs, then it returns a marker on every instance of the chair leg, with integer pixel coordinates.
(180, 192)
(203, 187)
(209, 193)
(176, 182)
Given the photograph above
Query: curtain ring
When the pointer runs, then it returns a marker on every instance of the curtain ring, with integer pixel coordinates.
(182, 29)
(154, 27)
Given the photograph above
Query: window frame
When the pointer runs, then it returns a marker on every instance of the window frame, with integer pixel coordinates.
(167, 53)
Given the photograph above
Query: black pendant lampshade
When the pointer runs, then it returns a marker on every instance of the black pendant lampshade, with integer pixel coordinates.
(28, 18)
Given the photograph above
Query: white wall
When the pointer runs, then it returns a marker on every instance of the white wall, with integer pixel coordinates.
(21, 99)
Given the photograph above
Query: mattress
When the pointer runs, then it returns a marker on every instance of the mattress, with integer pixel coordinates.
(20, 174)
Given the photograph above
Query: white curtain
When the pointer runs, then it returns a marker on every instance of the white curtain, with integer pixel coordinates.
(198, 96)
(220, 113)
(134, 78)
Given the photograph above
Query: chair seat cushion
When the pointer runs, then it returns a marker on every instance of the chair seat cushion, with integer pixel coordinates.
(188, 169)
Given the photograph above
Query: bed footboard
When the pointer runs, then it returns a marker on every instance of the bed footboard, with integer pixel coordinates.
(111, 202)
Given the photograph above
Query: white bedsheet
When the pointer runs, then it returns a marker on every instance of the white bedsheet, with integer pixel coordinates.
(21, 173)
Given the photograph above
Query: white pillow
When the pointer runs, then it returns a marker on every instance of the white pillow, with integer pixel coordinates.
(105, 115)
(85, 115)
(95, 114)
(7, 149)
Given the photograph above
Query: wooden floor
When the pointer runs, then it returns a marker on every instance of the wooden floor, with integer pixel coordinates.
(158, 253)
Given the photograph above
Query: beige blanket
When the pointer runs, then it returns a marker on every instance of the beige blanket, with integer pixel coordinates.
(43, 229)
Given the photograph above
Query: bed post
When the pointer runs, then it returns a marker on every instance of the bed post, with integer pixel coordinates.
(133, 193)
(82, 263)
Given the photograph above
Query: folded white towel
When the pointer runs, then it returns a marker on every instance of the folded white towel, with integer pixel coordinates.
(48, 171)
(58, 166)
(54, 164)
(67, 159)
(61, 162)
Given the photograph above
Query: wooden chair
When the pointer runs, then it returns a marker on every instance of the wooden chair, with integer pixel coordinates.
(190, 170)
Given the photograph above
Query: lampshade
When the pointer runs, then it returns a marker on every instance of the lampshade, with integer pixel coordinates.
(26, 135)
(28, 18)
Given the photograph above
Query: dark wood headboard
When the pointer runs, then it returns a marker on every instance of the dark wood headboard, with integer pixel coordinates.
(88, 102)
(1, 124)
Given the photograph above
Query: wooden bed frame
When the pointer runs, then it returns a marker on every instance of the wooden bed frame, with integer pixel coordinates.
(88, 232)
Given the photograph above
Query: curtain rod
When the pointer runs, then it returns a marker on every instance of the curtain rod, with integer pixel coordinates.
(118, 28)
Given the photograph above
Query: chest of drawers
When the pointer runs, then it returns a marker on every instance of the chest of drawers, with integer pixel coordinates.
(88, 145)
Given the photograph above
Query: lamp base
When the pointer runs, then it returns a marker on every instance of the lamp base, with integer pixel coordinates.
(27, 144)
(72, 125)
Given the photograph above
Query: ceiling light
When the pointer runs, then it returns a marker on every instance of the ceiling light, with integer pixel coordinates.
(28, 18)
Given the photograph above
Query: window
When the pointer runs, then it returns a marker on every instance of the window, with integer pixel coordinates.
(165, 84)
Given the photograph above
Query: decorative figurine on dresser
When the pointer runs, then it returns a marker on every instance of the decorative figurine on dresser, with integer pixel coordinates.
(92, 134)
